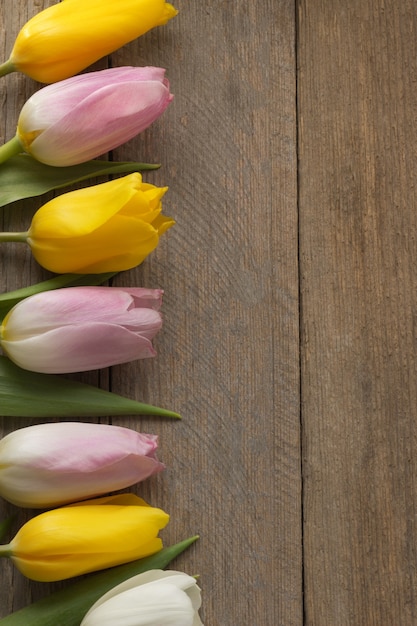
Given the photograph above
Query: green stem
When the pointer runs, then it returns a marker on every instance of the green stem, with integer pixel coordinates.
(6, 550)
(10, 148)
(21, 237)
(7, 68)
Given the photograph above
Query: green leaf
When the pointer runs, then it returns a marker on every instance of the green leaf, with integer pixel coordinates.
(30, 394)
(9, 299)
(67, 607)
(22, 176)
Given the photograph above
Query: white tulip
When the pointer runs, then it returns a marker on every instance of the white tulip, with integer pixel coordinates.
(150, 599)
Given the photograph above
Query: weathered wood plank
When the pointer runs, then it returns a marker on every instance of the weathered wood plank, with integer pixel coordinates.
(228, 353)
(357, 105)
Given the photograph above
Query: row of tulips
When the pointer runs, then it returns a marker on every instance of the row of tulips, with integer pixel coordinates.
(68, 468)
(49, 465)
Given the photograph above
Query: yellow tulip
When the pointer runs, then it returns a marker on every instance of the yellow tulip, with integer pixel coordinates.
(109, 227)
(69, 36)
(86, 537)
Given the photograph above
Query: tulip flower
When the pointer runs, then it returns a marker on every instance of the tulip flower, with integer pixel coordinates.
(86, 537)
(83, 117)
(53, 464)
(69, 36)
(149, 599)
(67, 606)
(75, 329)
(109, 227)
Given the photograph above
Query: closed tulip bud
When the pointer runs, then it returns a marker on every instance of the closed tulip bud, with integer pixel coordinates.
(69, 36)
(150, 599)
(83, 117)
(86, 537)
(48, 465)
(81, 328)
(109, 227)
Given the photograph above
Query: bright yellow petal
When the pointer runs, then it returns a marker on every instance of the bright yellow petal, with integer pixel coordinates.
(104, 228)
(162, 223)
(82, 211)
(69, 541)
(69, 36)
(130, 499)
(154, 194)
(146, 202)
(126, 239)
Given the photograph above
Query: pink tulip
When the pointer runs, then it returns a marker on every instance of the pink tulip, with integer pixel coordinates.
(81, 328)
(52, 464)
(80, 118)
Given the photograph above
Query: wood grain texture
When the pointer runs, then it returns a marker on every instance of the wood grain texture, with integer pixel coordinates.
(357, 112)
(228, 355)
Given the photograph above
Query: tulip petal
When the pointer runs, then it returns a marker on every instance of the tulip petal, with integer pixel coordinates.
(82, 538)
(64, 447)
(154, 577)
(9, 299)
(76, 305)
(119, 499)
(82, 211)
(77, 349)
(48, 105)
(52, 464)
(129, 241)
(138, 104)
(153, 597)
(144, 606)
(80, 328)
(44, 488)
(108, 225)
(67, 37)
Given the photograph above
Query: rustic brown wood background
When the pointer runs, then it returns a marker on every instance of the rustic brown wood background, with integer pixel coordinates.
(289, 343)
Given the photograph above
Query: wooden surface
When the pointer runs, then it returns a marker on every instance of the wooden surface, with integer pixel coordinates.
(290, 306)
